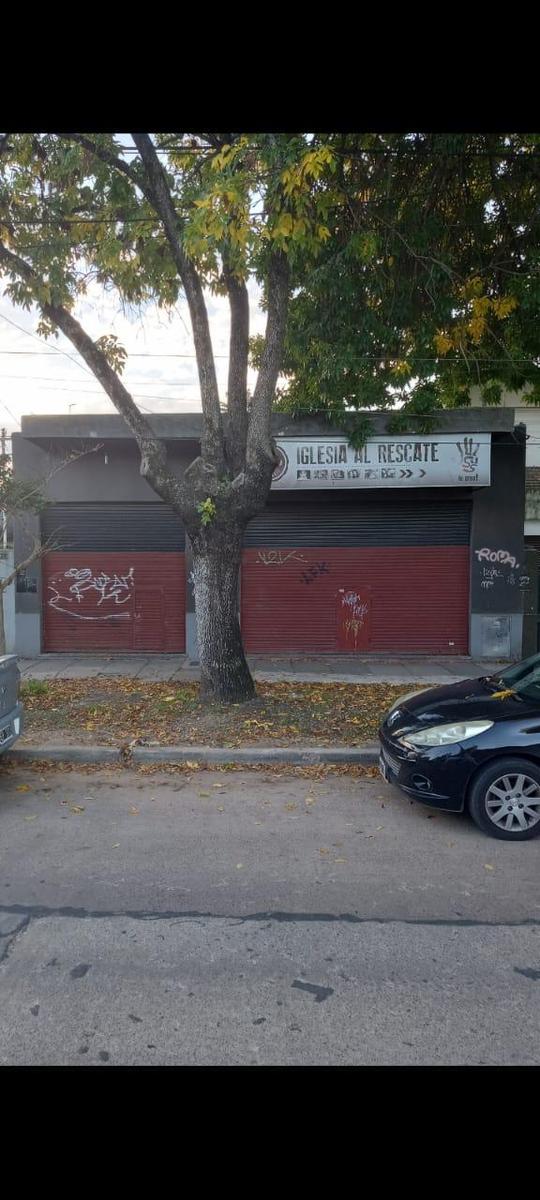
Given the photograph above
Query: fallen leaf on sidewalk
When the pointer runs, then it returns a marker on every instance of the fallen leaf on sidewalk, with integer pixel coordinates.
(23, 787)
(134, 811)
(488, 867)
(76, 808)
(239, 866)
(31, 818)
(115, 845)
(204, 793)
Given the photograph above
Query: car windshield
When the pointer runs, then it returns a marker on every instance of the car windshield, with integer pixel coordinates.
(523, 678)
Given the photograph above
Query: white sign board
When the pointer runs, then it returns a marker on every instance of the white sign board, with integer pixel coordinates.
(441, 460)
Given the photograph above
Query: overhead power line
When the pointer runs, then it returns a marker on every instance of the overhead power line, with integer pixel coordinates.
(53, 349)
(376, 358)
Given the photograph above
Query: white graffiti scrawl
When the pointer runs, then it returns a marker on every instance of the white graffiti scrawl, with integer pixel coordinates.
(496, 556)
(357, 611)
(118, 588)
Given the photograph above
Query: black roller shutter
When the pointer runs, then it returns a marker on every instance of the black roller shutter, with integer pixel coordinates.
(370, 521)
(122, 527)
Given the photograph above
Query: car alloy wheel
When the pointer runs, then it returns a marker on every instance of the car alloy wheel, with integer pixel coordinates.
(504, 799)
(512, 802)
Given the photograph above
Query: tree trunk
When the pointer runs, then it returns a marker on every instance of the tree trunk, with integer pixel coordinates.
(225, 675)
(2, 624)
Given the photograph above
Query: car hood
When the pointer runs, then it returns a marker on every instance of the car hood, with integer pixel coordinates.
(472, 699)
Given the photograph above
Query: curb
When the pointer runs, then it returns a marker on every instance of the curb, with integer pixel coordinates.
(300, 756)
(76, 754)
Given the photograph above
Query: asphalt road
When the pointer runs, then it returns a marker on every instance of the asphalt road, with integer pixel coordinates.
(268, 920)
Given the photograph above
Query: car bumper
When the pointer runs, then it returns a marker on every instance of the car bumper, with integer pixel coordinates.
(438, 777)
(11, 726)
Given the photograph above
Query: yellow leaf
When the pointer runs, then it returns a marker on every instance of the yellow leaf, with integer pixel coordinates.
(488, 867)
(477, 328)
(192, 765)
(481, 305)
(31, 818)
(23, 787)
(442, 343)
(504, 306)
(402, 367)
(76, 808)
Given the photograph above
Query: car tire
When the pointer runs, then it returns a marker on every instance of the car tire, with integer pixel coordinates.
(504, 799)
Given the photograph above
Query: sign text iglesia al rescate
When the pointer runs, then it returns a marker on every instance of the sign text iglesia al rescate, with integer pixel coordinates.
(443, 460)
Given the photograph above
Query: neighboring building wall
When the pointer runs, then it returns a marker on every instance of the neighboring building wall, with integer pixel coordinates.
(6, 566)
(528, 415)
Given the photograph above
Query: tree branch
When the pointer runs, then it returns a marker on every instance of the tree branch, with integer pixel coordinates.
(38, 551)
(212, 438)
(259, 439)
(153, 453)
(105, 155)
(238, 365)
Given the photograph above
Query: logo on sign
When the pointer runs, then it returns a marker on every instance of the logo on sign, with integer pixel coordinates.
(468, 452)
(281, 466)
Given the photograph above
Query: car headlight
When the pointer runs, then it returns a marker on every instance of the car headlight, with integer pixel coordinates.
(446, 735)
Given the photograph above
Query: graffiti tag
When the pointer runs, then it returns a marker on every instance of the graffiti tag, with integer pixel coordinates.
(357, 608)
(276, 558)
(320, 568)
(118, 588)
(494, 556)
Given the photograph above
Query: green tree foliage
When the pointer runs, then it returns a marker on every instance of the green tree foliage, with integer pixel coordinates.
(429, 283)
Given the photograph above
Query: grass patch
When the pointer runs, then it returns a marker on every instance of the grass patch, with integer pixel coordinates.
(33, 687)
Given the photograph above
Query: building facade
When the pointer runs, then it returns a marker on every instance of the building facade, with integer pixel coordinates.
(411, 545)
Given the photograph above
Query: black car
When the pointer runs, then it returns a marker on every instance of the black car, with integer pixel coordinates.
(472, 746)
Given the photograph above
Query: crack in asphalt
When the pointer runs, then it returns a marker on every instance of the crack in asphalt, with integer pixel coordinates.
(10, 938)
(37, 912)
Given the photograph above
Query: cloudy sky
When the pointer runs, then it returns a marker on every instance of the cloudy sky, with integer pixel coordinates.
(37, 376)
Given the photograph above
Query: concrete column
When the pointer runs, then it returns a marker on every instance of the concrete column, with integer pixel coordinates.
(498, 566)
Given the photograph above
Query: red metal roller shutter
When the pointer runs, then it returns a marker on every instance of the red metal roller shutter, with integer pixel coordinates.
(412, 599)
(121, 600)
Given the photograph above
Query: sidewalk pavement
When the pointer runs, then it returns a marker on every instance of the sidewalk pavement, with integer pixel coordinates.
(298, 668)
